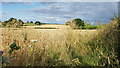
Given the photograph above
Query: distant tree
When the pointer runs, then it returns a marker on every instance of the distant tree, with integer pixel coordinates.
(77, 23)
(38, 23)
(31, 22)
(20, 22)
(68, 23)
(11, 19)
(27, 21)
(12, 22)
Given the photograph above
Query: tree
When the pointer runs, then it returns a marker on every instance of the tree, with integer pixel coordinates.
(12, 22)
(31, 22)
(68, 23)
(77, 23)
(38, 23)
(20, 22)
(11, 19)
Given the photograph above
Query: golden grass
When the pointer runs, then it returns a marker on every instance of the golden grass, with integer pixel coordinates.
(52, 47)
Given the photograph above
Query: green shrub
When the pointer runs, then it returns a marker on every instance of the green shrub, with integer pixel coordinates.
(13, 47)
(90, 27)
(38, 23)
(77, 23)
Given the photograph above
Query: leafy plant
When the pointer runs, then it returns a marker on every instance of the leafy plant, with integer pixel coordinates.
(13, 47)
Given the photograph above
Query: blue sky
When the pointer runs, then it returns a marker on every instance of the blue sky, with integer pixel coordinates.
(59, 12)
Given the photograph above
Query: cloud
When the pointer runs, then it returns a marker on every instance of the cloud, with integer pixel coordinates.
(57, 9)
(60, 11)
(2, 13)
(99, 10)
(53, 19)
(60, 0)
(10, 3)
(49, 17)
(95, 9)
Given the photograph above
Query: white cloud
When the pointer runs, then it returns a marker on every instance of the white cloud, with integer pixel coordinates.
(49, 17)
(59, 11)
(3, 13)
(99, 10)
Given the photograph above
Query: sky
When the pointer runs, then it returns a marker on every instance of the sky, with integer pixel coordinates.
(59, 12)
(59, 0)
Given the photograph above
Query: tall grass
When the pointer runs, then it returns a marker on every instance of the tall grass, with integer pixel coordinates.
(66, 47)
(63, 48)
(105, 45)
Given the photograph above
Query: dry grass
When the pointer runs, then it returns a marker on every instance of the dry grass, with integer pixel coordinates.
(53, 47)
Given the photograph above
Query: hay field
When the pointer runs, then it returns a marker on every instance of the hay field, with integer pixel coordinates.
(50, 45)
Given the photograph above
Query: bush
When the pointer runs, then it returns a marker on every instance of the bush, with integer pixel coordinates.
(13, 47)
(77, 23)
(90, 27)
(68, 23)
(38, 23)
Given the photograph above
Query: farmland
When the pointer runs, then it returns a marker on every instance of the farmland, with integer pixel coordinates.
(48, 40)
(60, 45)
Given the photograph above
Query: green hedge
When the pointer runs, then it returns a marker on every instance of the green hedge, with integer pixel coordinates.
(90, 27)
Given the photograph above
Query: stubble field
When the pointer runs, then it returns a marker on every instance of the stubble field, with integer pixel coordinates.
(40, 47)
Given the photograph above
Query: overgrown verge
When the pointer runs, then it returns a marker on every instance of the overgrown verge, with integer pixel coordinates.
(105, 46)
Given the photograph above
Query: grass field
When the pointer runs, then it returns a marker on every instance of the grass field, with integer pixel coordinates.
(58, 47)
(47, 44)
(29, 24)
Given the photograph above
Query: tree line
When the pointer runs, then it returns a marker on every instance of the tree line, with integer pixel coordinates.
(13, 22)
(36, 22)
